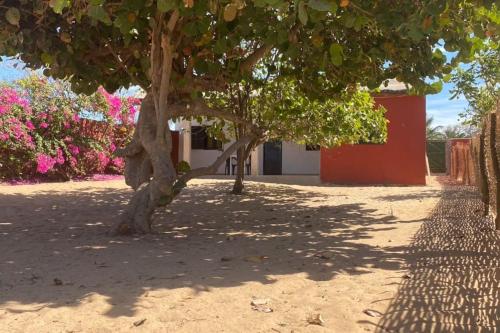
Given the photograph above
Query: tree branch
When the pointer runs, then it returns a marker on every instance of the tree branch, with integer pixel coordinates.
(124, 67)
(132, 149)
(200, 108)
(250, 146)
(248, 64)
(211, 169)
(166, 71)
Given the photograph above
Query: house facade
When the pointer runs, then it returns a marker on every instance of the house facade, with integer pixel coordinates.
(270, 158)
(400, 161)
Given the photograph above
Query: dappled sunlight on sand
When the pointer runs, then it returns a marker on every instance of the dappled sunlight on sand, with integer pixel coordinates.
(306, 248)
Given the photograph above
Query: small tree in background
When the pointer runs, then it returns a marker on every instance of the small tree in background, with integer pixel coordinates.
(279, 110)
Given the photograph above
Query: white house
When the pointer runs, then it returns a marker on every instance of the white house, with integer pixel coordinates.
(270, 158)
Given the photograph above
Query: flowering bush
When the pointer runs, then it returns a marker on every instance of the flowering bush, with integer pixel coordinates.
(48, 132)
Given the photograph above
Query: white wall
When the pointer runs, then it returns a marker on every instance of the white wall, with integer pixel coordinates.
(184, 128)
(296, 160)
(202, 158)
(299, 161)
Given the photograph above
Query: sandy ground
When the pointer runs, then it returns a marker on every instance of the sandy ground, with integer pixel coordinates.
(334, 251)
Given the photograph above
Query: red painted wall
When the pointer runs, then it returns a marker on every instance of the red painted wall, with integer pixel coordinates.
(401, 161)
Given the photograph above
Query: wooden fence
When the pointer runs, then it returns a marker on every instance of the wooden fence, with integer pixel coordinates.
(485, 154)
(461, 164)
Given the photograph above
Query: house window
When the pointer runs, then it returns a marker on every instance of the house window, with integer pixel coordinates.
(311, 147)
(201, 140)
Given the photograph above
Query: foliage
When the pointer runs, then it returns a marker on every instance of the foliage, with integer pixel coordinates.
(183, 167)
(447, 132)
(479, 84)
(42, 134)
(279, 110)
(432, 132)
(457, 131)
(326, 43)
(288, 115)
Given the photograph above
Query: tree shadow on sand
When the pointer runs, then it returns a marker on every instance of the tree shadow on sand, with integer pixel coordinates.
(454, 279)
(206, 239)
(421, 195)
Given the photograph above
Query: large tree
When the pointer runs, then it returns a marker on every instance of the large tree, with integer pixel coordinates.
(176, 50)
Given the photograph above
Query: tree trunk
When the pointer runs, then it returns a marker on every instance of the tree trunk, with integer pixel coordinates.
(149, 170)
(240, 171)
(242, 155)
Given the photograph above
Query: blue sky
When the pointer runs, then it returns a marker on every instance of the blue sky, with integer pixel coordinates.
(444, 110)
(8, 71)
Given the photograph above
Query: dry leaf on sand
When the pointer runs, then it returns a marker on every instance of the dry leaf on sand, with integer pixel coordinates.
(260, 304)
(372, 313)
(139, 322)
(315, 319)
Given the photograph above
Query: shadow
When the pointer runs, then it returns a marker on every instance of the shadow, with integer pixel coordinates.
(301, 180)
(410, 196)
(453, 283)
(206, 239)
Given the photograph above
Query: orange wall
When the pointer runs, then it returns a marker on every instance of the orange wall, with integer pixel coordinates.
(400, 161)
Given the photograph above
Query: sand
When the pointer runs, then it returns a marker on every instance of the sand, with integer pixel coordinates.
(305, 250)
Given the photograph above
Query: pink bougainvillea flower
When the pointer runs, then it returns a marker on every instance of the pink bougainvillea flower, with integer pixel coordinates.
(103, 159)
(73, 162)
(43, 124)
(16, 129)
(112, 147)
(114, 103)
(30, 125)
(60, 156)
(76, 118)
(74, 150)
(119, 162)
(29, 142)
(4, 136)
(45, 163)
(133, 108)
(9, 97)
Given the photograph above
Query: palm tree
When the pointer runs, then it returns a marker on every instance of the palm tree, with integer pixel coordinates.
(452, 132)
(433, 132)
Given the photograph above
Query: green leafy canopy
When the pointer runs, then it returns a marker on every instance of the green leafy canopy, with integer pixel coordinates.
(328, 45)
